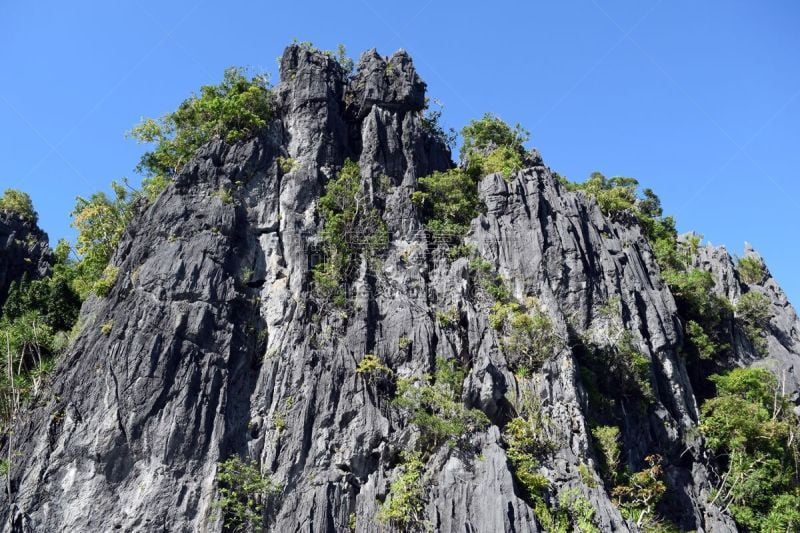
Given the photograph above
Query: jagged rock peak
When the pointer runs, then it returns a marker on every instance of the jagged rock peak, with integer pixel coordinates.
(24, 250)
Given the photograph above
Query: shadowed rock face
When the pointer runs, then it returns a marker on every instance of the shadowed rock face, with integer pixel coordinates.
(217, 348)
(24, 251)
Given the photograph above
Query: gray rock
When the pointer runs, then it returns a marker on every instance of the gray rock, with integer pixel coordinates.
(217, 347)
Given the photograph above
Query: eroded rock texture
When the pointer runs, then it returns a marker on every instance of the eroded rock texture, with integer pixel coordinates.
(216, 347)
(24, 251)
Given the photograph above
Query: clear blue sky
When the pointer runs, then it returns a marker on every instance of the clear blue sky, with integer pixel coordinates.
(698, 100)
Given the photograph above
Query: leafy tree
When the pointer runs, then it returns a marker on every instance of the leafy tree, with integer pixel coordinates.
(16, 201)
(529, 337)
(405, 506)
(753, 313)
(750, 425)
(100, 221)
(434, 405)
(234, 110)
(448, 201)
(491, 145)
(242, 493)
(751, 270)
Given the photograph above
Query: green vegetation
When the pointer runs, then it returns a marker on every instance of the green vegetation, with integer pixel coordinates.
(234, 110)
(100, 221)
(286, 164)
(700, 307)
(751, 270)
(641, 492)
(404, 507)
(340, 55)
(528, 337)
(372, 369)
(431, 122)
(242, 491)
(491, 145)
(34, 328)
(350, 226)
(606, 439)
(106, 327)
(16, 201)
(448, 201)
(753, 314)
(751, 428)
(434, 405)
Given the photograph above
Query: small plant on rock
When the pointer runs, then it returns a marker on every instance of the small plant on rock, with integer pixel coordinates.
(242, 492)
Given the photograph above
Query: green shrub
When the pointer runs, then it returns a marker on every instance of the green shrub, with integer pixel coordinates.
(491, 145)
(405, 506)
(431, 123)
(100, 222)
(751, 270)
(350, 227)
(106, 327)
(640, 494)
(434, 405)
(705, 347)
(606, 439)
(483, 274)
(751, 428)
(528, 337)
(242, 491)
(613, 195)
(753, 314)
(234, 110)
(524, 448)
(16, 201)
(372, 368)
(286, 164)
(447, 201)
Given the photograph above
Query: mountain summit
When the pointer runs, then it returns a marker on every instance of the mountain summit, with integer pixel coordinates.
(329, 326)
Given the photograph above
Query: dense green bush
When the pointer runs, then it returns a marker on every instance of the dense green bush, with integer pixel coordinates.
(751, 270)
(613, 195)
(100, 221)
(490, 145)
(405, 505)
(753, 314)
(434, 405)
(638, 496)
(528, 336)
(351, 227)
(16, 201)
(447, 201)
(242, 492)
(525, 446)
(606, 440)
(235, 109)
(751, 428)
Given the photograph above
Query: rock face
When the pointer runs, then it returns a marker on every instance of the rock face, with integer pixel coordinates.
(212, 345)
(24, 251)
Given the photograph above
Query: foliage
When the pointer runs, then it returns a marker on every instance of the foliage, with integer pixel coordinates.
(434, 405)
(607, 440)
(750, 425)
(242, 492)
(372, 368)
(528, 335)
(106, 327)
(524, 448)
(641, 492)
(699, 339)
(614, 195)
(286, 164)
(491, 145)
(350, 226)
(431, 123)
(100, 221)
(16, 201)
(753, 313)
(483, 274)
(404, 508)
(447, 319)
(234, 110)
(34, 326)
(751, 269)
(447, 201)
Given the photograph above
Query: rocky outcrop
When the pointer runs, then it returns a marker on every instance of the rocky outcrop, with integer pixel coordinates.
(210, 344)
(24, 251)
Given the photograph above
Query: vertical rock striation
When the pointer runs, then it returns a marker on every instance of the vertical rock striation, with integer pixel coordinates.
(216, 347)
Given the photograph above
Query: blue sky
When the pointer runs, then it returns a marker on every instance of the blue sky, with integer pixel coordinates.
(698, 100)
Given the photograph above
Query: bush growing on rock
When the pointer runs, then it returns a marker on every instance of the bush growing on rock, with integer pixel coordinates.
(234, 110)
(751, 270)
(19, 202)
(751, 428)
(491, 145)
(242, 492)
